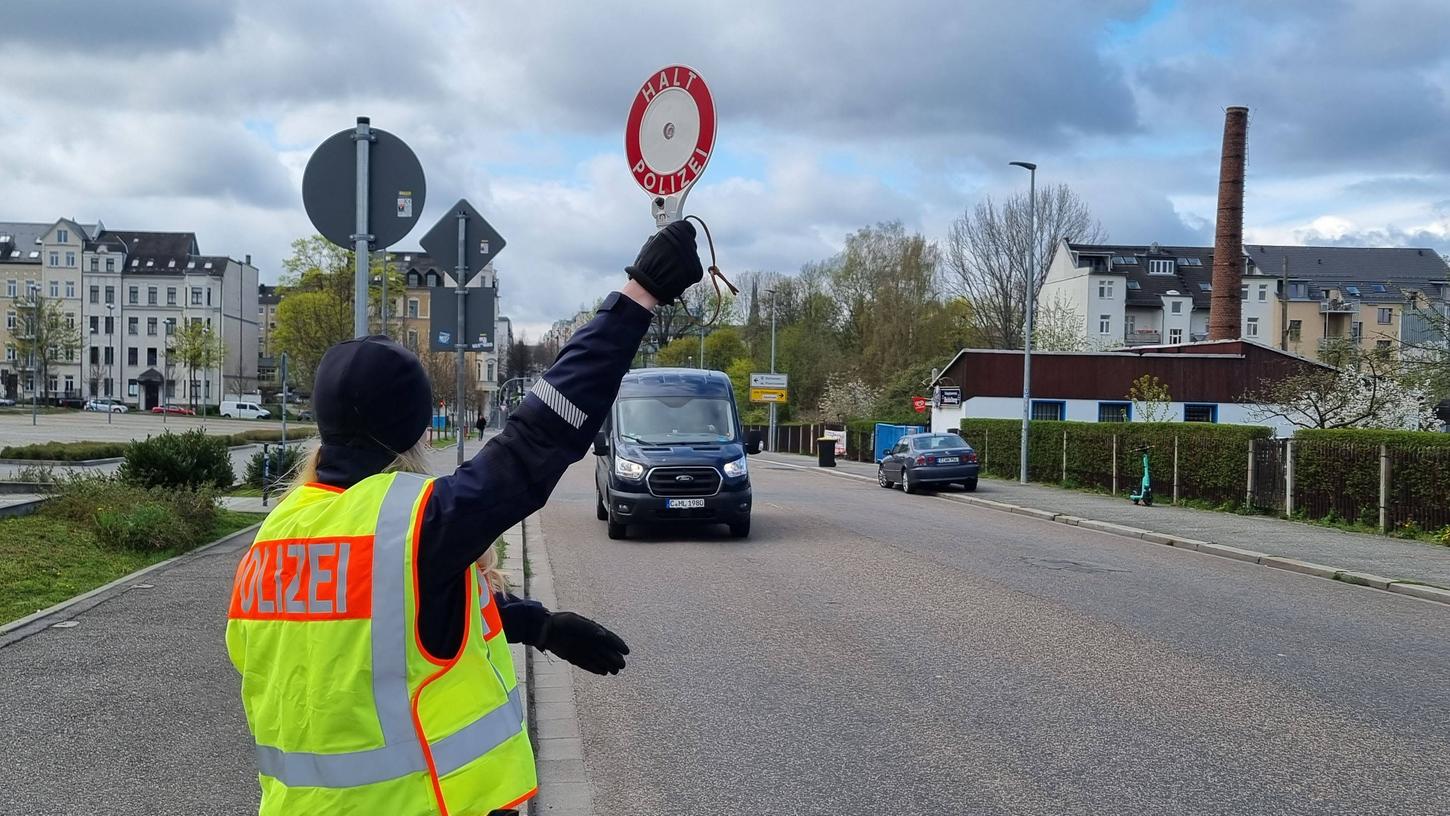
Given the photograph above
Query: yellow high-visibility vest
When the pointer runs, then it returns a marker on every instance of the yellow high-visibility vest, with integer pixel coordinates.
(350, 713)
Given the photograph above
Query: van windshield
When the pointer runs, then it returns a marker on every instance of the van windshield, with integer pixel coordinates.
(675, 420)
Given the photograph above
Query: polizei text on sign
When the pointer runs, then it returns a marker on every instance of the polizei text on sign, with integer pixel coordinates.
(670, 131)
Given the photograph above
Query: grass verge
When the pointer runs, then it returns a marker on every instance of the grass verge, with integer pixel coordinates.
(44, 561)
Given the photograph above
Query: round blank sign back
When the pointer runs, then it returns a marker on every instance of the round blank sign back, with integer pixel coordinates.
(396, 189)
(670, 131)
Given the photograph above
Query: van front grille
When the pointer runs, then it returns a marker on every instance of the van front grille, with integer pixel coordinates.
(684, 481)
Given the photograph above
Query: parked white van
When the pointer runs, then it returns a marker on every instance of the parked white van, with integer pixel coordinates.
(244, 410)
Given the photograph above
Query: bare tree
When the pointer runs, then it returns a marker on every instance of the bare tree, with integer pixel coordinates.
(987, 255)
(1058, 326)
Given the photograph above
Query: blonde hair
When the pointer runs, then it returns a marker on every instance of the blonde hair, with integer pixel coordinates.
(412, 460)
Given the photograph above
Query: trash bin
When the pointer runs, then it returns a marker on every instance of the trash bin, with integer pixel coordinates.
(755, 440)
(826, 452)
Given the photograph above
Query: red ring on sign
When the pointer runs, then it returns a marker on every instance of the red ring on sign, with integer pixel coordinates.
(670, 181)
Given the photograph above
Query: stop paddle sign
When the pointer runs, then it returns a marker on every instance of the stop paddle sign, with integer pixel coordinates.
(669, 136)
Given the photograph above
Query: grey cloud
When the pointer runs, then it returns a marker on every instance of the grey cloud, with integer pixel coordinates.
(1388, 236)
(137, 27)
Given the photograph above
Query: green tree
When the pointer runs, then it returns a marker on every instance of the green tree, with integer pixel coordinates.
(44, 336)
(196, 346)
(1151, 400)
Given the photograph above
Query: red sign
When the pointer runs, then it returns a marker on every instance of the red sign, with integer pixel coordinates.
(919, 403)
(670, 131)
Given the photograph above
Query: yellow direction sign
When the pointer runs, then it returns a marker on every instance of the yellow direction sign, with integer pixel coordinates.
(767, 394)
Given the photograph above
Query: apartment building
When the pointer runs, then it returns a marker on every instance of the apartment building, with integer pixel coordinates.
(1296, 298)
(268, 299)
(41, 259)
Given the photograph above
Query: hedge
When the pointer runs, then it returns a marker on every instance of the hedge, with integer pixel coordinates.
(253, 437)
(1337, 475)
(1212, 458)
(65, 451)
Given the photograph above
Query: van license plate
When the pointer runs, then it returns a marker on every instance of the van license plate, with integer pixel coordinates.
(684, 504)
(948, 460)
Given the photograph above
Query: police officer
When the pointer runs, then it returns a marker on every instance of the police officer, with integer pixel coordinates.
(375, 678)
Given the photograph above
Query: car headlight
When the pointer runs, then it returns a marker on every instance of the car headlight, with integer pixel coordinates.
(736, 469)
(625, 469)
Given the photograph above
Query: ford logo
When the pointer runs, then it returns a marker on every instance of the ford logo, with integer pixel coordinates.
(685, 478)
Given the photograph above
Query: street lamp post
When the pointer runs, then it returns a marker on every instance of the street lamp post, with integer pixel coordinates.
(34, 341)
(166, 367)
(1030, 303)
(111, 363)
(771, 292)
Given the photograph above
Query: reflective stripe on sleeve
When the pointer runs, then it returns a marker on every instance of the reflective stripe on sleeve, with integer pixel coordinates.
(559, 403)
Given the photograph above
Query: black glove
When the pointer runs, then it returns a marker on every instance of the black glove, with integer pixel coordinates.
(583, 642)
(668, 263)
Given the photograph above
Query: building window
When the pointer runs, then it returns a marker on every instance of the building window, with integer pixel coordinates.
(95, 294)
(1382, 345)
(70, 289)
(196, 296)
(171, 389)
(94, 388)
(108, 386)
(132, 325)
(131, 388)
(95, 264)
(70, 354)
(1386, 315)
(1175, 336)
(110, 264)
(412, 307)
(491, 365)
(1263, 292)
(208, 299)
(110, 294)
(1105, 324)
(95, 325)
(1251, 328)
(1048, 410)
(1130, 324)
(1115, 411)
(1296, 330)
(151, 326)
(110, 358)
(1244, 292)
(206, 389)
(1200, 413)
(1356, 330)
(55, 259)
(133, 295)
(171, 296)
(55, 288)
(10, 288)
(70, 259)
(62, 236)
(70, 383)
(131, 356)
(170, 326)
(1161, 267)
(151, 356)
(110, 325)
(95, 355)
(413, 338)
(1105, 290)
(10, 320)
(1176, 307)
(151, 296)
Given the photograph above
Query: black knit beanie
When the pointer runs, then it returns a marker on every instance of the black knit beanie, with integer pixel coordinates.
(372, 401)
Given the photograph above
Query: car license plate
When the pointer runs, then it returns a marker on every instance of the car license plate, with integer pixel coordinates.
(948, 460)
(684, 504)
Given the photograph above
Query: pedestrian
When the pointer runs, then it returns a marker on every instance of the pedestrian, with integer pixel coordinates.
(368, 679)
(480, 424)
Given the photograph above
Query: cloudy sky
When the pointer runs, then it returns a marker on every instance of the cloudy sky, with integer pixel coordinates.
(201, 115)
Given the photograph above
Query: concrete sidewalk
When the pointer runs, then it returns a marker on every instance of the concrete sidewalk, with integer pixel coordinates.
(1393, 558)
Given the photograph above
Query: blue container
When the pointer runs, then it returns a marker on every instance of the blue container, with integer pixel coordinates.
(888, 435)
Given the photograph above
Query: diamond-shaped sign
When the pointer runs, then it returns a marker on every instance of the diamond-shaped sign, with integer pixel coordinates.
(481, 243)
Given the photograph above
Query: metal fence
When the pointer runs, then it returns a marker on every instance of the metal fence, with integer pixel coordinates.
(801, 439)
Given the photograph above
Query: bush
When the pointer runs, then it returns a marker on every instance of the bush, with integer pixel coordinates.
(1213, 459)
(65, 451)
(285, 460)
(261, 435)
(126, 515)
(185, 460)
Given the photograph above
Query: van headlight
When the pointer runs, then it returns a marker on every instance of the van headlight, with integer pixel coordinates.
(625, 469)
(736, 469)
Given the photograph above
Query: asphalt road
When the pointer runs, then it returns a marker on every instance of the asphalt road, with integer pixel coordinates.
(868, 652)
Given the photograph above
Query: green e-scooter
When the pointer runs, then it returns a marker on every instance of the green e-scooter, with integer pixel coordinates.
(1145, 490)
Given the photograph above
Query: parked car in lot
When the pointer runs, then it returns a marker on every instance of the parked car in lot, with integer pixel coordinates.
(243, 410)
(6, 402)
(921, 461)
(103, 405)
(173, 409)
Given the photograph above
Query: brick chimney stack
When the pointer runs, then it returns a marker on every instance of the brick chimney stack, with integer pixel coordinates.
(1228, 241)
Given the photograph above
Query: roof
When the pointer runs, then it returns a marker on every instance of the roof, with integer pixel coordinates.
(267, 295)
(1192, 270)
(419, 262)
(1396, 268)
(24, 236)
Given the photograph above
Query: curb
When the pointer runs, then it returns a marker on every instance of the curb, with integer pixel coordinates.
(18, 630)
(553, 716)
(24, 508)
(1408, 588)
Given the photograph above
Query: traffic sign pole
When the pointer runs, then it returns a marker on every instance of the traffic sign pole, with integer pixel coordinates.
(363, 138)
(460, 271)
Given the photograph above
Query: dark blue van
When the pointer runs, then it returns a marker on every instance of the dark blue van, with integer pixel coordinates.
(672, 452)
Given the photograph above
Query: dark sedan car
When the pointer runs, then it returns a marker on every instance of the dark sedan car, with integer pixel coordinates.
(931, 459)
